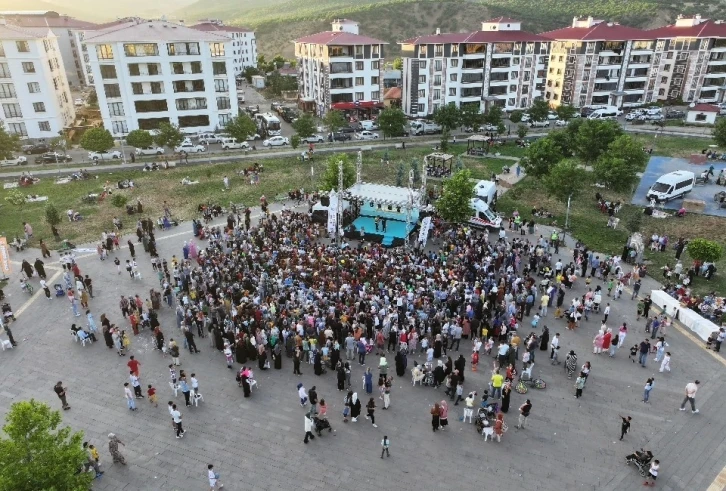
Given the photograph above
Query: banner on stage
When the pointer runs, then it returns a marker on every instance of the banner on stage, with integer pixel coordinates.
(423, 234)
(333, 214)
(4, 257)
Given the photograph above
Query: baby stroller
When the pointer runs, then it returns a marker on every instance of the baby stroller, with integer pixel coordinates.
(321, 424)
(58, 290)
(428, 379)
(641, 458)
(483, 418)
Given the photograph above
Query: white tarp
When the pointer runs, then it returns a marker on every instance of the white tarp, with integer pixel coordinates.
(333, 213)
(423, 234)
(694, 321)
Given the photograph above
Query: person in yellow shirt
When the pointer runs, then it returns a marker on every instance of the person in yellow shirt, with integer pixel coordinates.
(544, 300)
(496, 383)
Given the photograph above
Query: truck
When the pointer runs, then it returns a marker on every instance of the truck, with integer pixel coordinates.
(486, 191)
(422, 127)
(483, 216)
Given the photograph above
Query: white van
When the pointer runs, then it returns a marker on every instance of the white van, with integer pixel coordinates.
(232, 143)
(609, 113)
(483, 216)
(486, 191)
(369, 125)
(671, 186)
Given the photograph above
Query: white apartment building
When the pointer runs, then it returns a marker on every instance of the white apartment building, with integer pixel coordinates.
(499, 65)
(36, 101)
(244, 44)
(339, 69)
(67, 31)
(148, 72)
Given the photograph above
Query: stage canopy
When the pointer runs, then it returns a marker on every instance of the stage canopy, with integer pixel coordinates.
(383, 194)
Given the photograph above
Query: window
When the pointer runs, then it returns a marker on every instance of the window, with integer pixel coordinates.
(374, 65)
(359, 96)
(359, 50)
(133, 70)
(454, 63)
(422, 64)
(116, 109)
(112, 90)
(12, 111)
(376, 95)
(28, 67)
(7, 91)
(137, 88)
(223, 103)
(224, 119)
(375, 52)
(44, 125)
(439, 50)
(438, 65)
(153, 68)
(33, 87)
(437, 94)
(437, 80)
(153, 106)
(104, 52)
(422, 79)
(23, 46)
(4, 70)
(664, 80)
(39, 107)
(157, 87)
(2, 50)
(196, 66)
(17, 129)
(108, 72)
(181, 49)
(700, 117)
(422, 93)
(374, 80)
(216, 49)
(220, 85)
(421, 108)
(177, 68)
(455, 51)
(359, 80)
(359, 65)
(667, 68)
(141, 49)
(219, 68)
(452, 91)
(119, 127)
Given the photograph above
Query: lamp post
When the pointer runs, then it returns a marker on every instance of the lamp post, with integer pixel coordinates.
(567, 218)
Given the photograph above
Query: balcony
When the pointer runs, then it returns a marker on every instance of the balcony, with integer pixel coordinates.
(336, 68)
(501, 63)
(341, 83)
(605, 87)
(716, 69)
(610, 61)
(471, 92)
(471, 78)
(616, 47)
(638, 61)
(340, 51)
(714, 81)
(628, 86)
(500, 90)
(475, 64)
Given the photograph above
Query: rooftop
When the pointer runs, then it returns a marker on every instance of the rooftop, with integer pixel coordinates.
(602, 31)
(392, 93)
(704, 108)
(338, 38)
(502, 20)
(706, 29)
(18, 33)
(152, 31)
(477, 37)
(46, 19)
(216, 26)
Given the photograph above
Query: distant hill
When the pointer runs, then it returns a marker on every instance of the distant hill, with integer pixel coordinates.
(99, 10)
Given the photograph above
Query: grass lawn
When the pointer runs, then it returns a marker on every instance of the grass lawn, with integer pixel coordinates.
(587, 224)
(673, 146)
(483, 167)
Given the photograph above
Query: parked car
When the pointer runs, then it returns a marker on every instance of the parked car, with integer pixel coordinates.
(561, 122)
(189, 147)
(149, 151)
(209, 138)
(339, 136)
(675, 114)
(105, 155)
(254, 137)
(232, 143)
(539, 124)
(349, 129)
(52, 158)
(366, 135)
(526, 118)
(14, 161)
(276, 141)
(35, 148)
(313, 139)
(633, 115)
(552, 116)
(78, 102)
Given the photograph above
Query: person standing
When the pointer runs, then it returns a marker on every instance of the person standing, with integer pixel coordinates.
(648, 387)
(524, 411)
(624, 426)
(643, 350)
(129, 397)
(385, 443)
(579, 385)
(652, 473)
(213, 476)
(296, 362)
(113, 443)
(134, 365)
(308, 429)
(636, 289)
(61, 392)
(184, 386)
(371, 408)
(136, 385)
(177, 417)
(691, 389)
(435, 417)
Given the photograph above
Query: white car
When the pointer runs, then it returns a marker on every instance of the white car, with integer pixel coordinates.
(366, 135)
(313, 139)
(14, 161)
(254, 137)
(552, 116)
(210, 138)
(189, 147)
(78, 102)
(489, 127)
(561, 122)
(232, 143)
(525, 118)
(276, 141)
(539, 124)
(149, 151)
(105, 155)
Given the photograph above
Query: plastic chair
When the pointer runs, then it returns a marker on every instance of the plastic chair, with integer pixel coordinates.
(174, 388)
(6, 344)
(198, 397)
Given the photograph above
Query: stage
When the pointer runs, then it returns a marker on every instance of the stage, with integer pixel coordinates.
(395, 233)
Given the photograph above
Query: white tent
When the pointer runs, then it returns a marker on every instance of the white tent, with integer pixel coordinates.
(384, 194)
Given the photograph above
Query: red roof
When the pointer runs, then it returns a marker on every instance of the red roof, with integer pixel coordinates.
(355, 105)
(338, 38)
(706, 29)
(704, 108)
(477, 37)
(600, 32)
(211, 26)
(48, 21)
(392, 93)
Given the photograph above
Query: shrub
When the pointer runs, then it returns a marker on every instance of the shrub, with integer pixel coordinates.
(119, 200)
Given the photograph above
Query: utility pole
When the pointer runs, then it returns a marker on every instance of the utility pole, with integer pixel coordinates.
(567, 219)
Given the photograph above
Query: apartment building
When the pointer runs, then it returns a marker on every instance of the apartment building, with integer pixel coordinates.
(67, 31)
(339, 69)
(499, 65)
(34, 93)
(244, 44)
(149, 72)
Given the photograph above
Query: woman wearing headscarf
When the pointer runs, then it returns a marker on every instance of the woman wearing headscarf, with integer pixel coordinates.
(506, 392)
(544, 339)
(245, 381)
(571, 363)
(317, 362)
(368, 381)
(240, 352)
(340, 374)
(439, 374)
(443, 415)
(355, 407)
(113, 443)
(262, 358)
(277, 355)
(437, 346)
(400, 363)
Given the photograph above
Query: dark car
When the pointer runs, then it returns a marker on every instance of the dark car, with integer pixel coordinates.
(675, 114)
(36, 148)
(339, 136)
(52, 158)
(349, 129)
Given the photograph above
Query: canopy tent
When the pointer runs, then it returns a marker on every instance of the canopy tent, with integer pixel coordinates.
(385, 195)
(477, 141)
(439, 158)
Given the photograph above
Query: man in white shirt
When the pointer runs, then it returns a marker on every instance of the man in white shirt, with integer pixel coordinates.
(555, 345)
(177, 417)
(213, 476)
(129, 397)
(691, 389)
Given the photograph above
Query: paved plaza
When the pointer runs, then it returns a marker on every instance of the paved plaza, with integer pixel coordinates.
(257, 443)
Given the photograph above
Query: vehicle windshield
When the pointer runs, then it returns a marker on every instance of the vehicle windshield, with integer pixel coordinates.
(660, 187)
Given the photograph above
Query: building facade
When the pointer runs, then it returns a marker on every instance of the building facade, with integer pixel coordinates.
(149, 72)
(499, 65)
(34, 92)
(244, 44)
(339, 69)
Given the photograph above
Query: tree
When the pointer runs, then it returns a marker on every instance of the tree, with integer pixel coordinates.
(399, 175)
(618, 167)
(416, 168)
(52, 216)
(16, 198)
(329, 179)
(97, 140)
(567, 177)
(704, 250)
(277, 84)
(305, 125)
(633, 222)
(249, 72)
(594, 137)
(59, 143)
(719, 132)
(501, 128)
(494, 116)
(295, 141)
(447, 116)
(8, 143)
(241, 127)
(398, 63)
(454, 205)
(540, 156)
(38, 454)
(169, 135)
(566, 112)
(444, 142)
(563, 140)
(392, 122)
(92, 98)
(139, 139)
(539, 110)
(471, 116)
(522, 130)
(515, 116)
(334, 120)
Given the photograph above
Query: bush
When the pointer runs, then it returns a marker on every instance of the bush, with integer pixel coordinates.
(119, 200)
(52, 216)
(516, 116)
(295, 141)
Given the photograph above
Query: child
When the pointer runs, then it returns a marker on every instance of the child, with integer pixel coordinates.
(474, 361)
(151, 392)
(488, 347)
(385, 443)
(228, 355)
(666, 363)
(125, 340)
(118, 264)
(172, 374)
(425, 344)
(633, 353)
(302, 394)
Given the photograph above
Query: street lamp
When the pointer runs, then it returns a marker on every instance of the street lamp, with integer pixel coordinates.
(567, 219)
